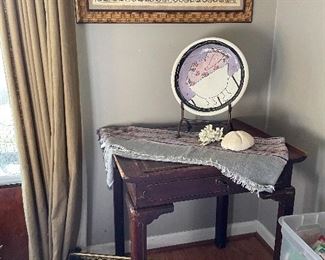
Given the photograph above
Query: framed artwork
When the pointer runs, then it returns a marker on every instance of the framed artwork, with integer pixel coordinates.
(92, 256)
(164, 11)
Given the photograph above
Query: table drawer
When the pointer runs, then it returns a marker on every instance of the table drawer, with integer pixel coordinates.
(150, 194)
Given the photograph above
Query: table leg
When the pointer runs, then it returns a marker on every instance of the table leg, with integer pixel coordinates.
(118, 213)
(221, 221)
(138, 236)
(286, 204)
(139, 219)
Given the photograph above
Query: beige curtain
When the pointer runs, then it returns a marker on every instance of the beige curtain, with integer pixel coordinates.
(39, 50)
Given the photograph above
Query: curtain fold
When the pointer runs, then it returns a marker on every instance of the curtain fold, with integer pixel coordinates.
(39, 50)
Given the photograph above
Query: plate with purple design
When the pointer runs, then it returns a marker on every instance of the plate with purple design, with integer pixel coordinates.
(208, 75)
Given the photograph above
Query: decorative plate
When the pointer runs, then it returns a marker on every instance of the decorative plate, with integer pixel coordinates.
(208, 75)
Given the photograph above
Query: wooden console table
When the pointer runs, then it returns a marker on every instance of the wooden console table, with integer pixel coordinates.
(152, 188)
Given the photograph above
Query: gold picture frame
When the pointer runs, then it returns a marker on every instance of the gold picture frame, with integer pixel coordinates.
(164, 11)
(92, 256)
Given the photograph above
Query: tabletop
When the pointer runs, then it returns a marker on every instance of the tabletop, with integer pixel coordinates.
(141, 170)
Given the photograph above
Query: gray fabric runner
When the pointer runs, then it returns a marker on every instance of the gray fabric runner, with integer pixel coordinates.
(256, 169)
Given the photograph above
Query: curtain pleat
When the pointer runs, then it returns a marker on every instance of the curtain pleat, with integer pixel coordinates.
(39, 49)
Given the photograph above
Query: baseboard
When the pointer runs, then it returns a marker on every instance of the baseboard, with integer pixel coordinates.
(191, 236)
(267, 236)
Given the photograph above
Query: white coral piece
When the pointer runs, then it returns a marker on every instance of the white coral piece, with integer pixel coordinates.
(208, 135)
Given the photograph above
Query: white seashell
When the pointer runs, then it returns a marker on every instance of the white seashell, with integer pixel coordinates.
(237, 141)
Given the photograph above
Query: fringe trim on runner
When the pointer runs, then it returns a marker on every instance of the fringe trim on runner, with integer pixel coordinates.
(110, 149)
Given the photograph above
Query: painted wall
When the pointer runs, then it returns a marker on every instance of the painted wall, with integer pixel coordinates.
(297, 99)
(124, 75)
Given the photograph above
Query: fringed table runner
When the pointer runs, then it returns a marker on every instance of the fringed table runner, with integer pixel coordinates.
(256, 169)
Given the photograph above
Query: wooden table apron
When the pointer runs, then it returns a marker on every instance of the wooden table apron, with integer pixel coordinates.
(152, 188)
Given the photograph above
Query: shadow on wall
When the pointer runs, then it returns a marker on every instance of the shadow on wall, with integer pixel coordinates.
(253, 42)
(307, 175)
(87, 120)
(257, 48)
